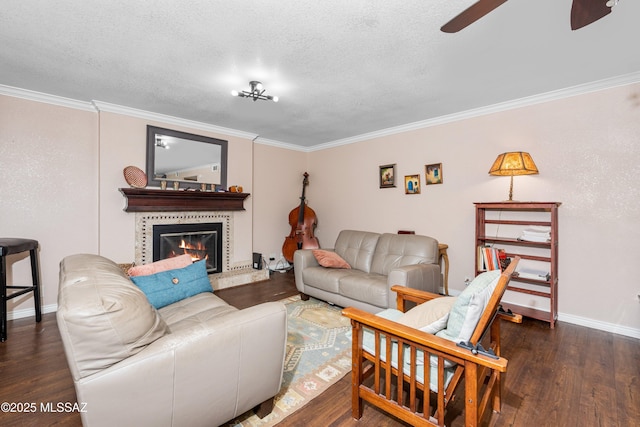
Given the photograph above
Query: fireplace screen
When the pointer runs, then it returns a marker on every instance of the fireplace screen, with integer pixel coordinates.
(200, 241)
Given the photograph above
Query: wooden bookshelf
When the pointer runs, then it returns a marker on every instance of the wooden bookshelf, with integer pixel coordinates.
(548, 211)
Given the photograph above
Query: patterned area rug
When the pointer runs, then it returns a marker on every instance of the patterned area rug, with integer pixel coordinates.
(318, 355)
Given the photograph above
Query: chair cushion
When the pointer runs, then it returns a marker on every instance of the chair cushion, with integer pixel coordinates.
(468, 307)
(431, 316)
(168, 287)
(329, 259)
(369, 345)
(162, 265)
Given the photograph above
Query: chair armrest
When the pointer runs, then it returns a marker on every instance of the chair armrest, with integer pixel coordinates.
(414, 295)
(429, 341)
(303, 258)
(513, 317)
(424, 277)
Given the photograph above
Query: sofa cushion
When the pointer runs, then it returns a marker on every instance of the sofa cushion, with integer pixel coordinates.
(167, 287)
(194, 310)
(366, 287)
(162, 265)
(329, 259)
(357, 248)
(469, 305)
(397, 250)
(326, 279)
(102, 315)
(431, 316)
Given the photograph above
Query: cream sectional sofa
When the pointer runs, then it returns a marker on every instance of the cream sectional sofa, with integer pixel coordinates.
(377, 262)
(196, 362)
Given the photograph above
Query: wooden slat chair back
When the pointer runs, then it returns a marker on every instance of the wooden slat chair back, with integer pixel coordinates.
(421, 363)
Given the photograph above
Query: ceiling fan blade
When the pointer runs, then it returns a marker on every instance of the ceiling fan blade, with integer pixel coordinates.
(585, 12)
(471, 15)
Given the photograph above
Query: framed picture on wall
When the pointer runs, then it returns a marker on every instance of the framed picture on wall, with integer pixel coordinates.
(387, 176)
(412, 184)
(433, 173)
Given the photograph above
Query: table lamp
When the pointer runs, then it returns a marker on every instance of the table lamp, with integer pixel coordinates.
(513, 163)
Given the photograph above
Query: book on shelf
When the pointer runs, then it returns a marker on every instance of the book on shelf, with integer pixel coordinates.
(490, 258)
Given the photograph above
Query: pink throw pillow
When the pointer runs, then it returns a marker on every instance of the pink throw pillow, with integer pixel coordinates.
(329, 259)
(162, 265)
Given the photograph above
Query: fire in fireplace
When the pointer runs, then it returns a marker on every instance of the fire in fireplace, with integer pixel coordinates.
(200, 241)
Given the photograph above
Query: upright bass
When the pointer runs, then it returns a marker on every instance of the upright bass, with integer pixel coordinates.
(302, 220)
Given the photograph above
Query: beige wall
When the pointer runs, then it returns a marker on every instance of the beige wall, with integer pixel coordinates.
(278, 175)
(122, 143)
(62, 168)
(587, 149)
(48, 190)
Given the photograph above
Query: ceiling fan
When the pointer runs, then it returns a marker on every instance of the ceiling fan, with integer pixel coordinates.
(583, 13)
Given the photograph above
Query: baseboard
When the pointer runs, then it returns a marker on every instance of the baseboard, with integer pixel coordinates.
(31, 312)
(603, 326)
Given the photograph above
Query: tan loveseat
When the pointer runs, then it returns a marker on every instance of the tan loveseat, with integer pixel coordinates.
(377, 261)
(197, 362)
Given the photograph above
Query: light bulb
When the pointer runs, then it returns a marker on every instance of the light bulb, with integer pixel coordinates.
(275, 99)
(234, 92)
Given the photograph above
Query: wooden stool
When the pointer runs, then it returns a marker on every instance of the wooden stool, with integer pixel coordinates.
(10, 246)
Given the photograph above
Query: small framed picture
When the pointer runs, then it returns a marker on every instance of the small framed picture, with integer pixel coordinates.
(412, 184)
(433, 173)
(388, 176)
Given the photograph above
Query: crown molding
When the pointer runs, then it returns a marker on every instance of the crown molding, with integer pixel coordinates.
(176, 121)
(279, 144)
(599, 85)
(32, 95)
(98, 106)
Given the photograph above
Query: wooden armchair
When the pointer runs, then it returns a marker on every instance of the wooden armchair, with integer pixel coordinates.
(396, 384)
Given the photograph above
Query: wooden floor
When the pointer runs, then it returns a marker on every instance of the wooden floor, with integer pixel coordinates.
(568, 376)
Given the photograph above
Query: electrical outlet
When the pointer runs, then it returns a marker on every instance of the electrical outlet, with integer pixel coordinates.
(272, 257)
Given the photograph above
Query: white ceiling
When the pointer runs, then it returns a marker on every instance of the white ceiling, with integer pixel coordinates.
(341, 68)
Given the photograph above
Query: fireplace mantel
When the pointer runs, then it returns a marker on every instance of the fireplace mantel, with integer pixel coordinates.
(148, 200)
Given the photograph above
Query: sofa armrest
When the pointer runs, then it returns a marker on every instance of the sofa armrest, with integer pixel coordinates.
(303, 258)
(424, 277)
(213, 371)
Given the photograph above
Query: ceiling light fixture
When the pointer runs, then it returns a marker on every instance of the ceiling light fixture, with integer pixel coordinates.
(256, 92)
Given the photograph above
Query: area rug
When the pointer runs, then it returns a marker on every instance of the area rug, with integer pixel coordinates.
(318, 355)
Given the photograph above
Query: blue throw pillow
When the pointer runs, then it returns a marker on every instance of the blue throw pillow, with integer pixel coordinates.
(171, 286)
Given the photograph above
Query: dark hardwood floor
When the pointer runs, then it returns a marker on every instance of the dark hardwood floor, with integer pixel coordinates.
(568, 376)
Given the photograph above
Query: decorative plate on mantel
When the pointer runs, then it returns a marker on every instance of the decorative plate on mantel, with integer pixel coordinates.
(135, 177)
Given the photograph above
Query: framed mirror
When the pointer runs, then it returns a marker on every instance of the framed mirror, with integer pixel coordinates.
(184, 157)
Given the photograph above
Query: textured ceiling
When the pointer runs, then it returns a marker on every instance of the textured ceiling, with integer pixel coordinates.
(340, 68)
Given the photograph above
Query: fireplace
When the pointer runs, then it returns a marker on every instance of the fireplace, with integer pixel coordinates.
(231, 273)
(200, 241)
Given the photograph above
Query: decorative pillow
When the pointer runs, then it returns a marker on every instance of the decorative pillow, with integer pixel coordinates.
(431, 316)
(162, 265)
(468, 308)
(330, 259)
(171, 286)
